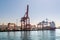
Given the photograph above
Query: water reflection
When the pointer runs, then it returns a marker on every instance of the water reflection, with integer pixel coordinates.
(29, 35)
(11, 35)
(25, 35)
(52, 35)
(48, 35)
(38, 35)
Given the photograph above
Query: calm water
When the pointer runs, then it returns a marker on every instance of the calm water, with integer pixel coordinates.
(31, 35)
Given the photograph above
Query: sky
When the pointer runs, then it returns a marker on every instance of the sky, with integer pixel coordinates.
(13, 10)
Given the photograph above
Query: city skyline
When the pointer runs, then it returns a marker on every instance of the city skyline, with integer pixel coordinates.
(39, 10)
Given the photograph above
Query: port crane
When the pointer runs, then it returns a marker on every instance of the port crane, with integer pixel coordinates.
(25, 20)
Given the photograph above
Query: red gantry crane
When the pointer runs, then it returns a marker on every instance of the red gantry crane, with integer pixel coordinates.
(25, 21)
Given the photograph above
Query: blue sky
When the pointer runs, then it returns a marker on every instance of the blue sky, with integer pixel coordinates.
(13, 10)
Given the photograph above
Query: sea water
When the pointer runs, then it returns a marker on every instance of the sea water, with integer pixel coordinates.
(31, 35)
